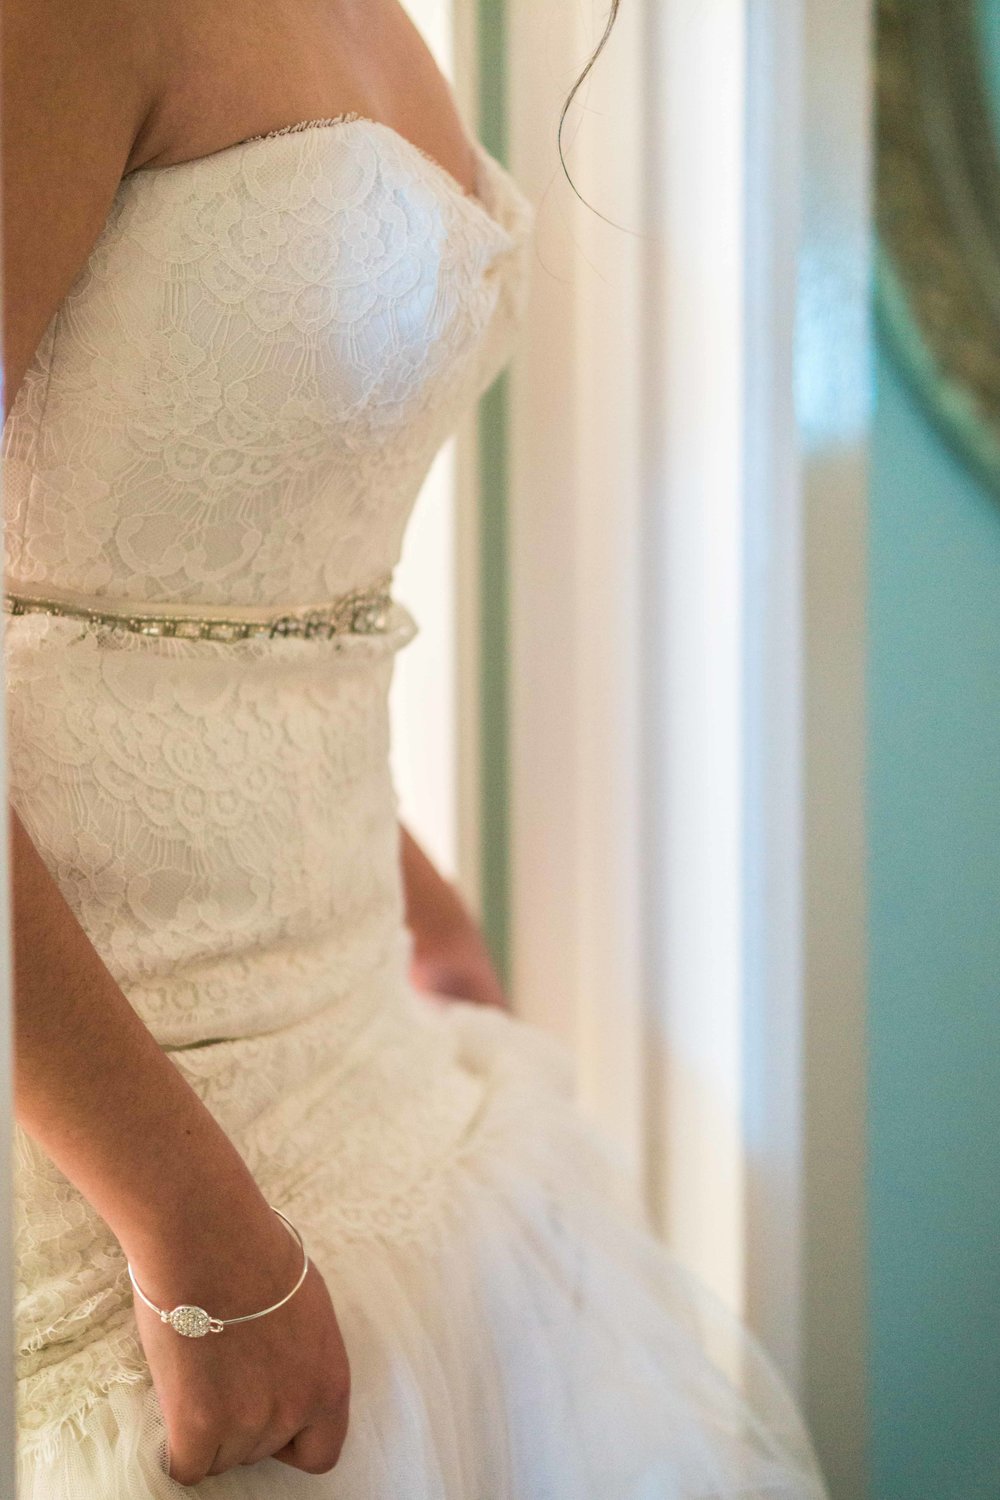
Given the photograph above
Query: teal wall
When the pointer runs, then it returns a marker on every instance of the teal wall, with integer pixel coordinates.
(988, 19)
(934, 819)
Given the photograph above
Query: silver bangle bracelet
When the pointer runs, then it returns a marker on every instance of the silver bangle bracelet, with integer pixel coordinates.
(195, 1322)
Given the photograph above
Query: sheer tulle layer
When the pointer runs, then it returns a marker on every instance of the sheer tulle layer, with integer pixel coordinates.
(528, 1342)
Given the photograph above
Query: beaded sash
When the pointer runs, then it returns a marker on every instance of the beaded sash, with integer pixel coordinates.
(364, 611)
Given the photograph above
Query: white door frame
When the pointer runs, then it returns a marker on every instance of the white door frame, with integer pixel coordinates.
(687, 518)
(625, 524)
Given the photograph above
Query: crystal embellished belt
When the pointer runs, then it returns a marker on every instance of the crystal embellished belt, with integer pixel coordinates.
(361, 612)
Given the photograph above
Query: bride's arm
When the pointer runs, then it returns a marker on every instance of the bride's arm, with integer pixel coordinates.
(92, 1086)
(450, 953)
(102, 1099)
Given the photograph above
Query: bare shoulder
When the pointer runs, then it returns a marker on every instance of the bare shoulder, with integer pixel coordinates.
(80, 80)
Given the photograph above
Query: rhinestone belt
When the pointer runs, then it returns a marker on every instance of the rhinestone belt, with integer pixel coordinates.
(361, 612)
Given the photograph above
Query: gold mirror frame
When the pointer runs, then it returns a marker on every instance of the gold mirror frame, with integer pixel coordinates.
(938, 216)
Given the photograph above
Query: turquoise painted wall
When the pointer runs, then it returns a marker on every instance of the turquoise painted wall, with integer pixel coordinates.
(934, 818)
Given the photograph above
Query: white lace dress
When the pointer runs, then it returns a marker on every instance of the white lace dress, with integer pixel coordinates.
(228, 419)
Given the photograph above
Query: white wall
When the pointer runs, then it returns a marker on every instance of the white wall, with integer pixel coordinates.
(424, 698)
(426, 735)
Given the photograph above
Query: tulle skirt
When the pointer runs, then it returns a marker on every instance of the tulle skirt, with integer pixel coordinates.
(528, 1339)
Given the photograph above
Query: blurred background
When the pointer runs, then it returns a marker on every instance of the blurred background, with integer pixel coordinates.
(704, 714)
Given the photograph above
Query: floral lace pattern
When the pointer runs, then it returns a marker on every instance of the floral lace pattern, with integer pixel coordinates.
(235, 405)
(241, 393)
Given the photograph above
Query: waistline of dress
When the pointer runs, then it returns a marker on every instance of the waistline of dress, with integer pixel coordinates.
(361, 611)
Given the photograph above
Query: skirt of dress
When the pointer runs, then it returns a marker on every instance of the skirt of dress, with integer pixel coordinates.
(515, 1331)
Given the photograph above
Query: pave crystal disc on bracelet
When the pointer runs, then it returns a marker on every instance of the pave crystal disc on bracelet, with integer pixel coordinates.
(192, 1322)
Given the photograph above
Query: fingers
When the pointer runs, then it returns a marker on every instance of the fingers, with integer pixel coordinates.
(315, 1449)
(268, 1447)
(196, 1457)
(313, 1446)
(188, 1463)
(255, 1442)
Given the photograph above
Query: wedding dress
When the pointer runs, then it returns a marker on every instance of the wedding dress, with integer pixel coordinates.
(226, 424)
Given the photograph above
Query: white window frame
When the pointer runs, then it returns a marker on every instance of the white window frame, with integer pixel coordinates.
(626, 518)
(688, 888)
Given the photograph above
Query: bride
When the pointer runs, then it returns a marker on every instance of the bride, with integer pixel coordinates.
(286, 1224)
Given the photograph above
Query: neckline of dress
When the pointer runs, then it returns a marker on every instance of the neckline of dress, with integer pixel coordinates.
(458, 191)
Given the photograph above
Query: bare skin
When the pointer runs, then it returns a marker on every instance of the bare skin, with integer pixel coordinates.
(92, 90)
(241, 71)
(450, 956)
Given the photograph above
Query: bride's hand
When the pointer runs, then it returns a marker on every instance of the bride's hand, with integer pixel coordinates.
(450, 954)
(278, 1386)
(455, 962)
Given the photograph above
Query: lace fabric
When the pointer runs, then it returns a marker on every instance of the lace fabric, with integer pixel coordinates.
(238, 399)
(234, 408)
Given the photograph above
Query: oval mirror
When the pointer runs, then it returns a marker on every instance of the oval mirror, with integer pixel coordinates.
(938, 213)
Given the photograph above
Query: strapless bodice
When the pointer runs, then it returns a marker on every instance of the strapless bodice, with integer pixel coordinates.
(233, 409)
(240, 396)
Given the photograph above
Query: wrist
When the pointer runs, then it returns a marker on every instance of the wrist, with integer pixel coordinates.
(229, 1257)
